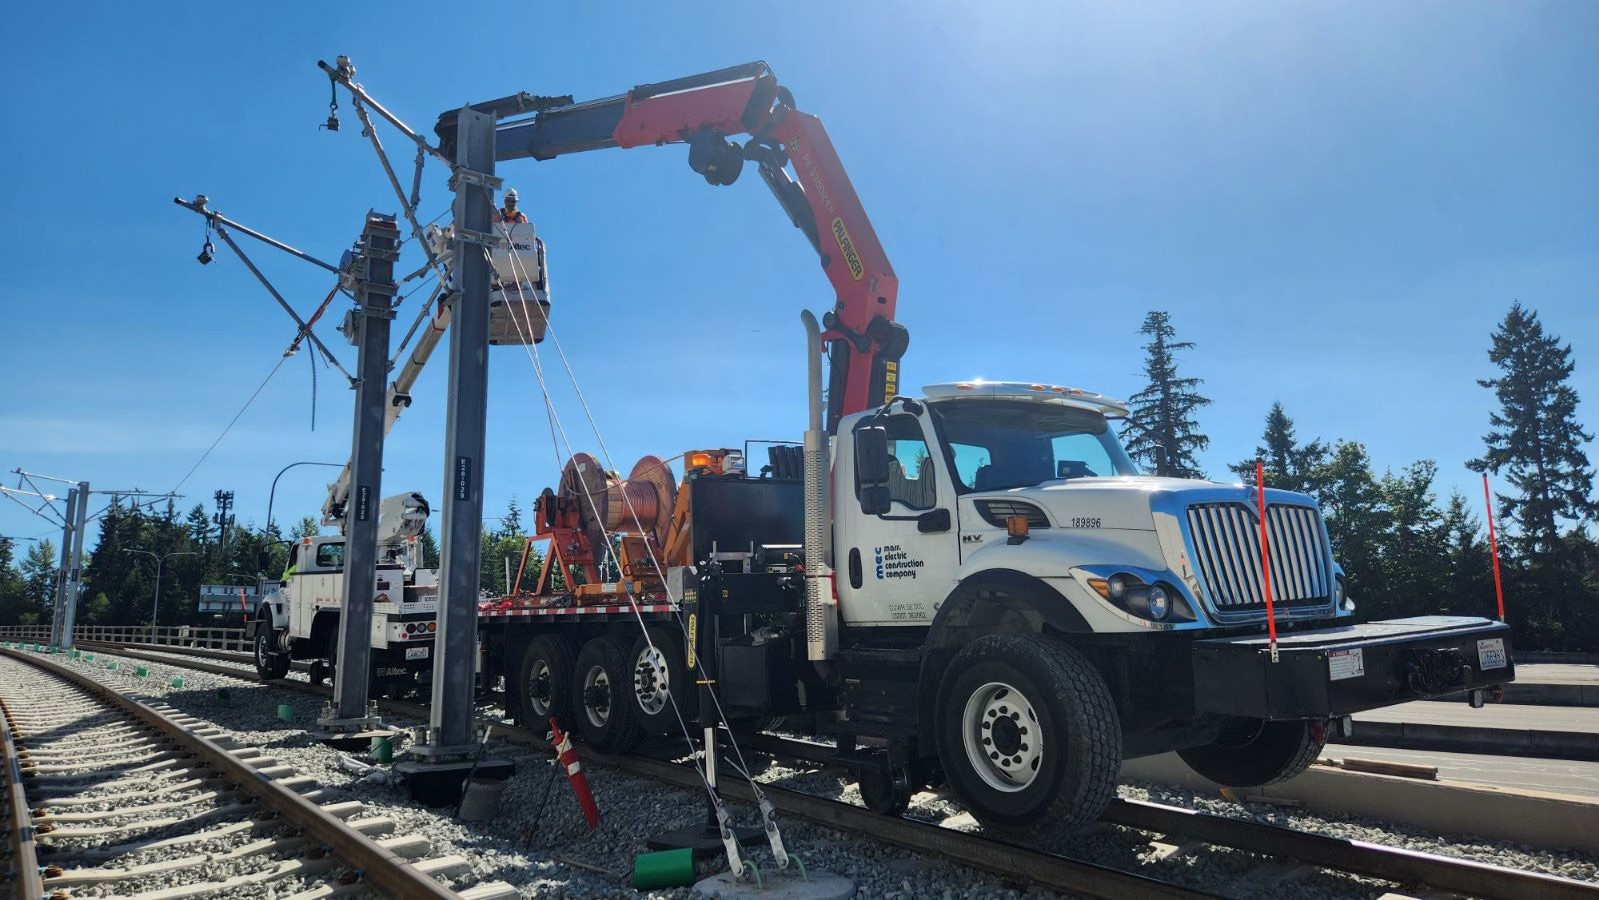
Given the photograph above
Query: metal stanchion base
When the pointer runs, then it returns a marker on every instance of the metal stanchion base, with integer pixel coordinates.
(441, 782)
(351, 734)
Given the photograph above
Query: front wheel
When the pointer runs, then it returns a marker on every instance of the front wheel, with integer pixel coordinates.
(269, 665)
(1254, 752)
(1028, 735)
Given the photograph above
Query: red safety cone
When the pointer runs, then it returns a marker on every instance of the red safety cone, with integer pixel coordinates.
(567, 757)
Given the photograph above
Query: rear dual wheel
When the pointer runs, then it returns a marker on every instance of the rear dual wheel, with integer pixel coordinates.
(605, 712)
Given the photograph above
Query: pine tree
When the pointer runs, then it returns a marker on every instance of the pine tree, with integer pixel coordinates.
(1535, 437)
(1414, 547)
(1357, 520)
(1162, 414)
(39, 580)
(1289, 465)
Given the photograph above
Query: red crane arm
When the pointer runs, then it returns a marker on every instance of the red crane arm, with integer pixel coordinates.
(863, 340)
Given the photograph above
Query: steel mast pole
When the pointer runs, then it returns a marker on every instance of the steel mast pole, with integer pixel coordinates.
(75, 584)
(439, 763)
(57, 614)
(371, 275)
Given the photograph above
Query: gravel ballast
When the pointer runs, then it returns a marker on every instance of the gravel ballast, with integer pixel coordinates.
(539, 844)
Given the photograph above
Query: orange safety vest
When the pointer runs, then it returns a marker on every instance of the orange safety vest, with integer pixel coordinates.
(513, 218)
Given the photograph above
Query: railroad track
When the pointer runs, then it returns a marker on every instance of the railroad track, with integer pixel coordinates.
(1288, 853)
(110, 795)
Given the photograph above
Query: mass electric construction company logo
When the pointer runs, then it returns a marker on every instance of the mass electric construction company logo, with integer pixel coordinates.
(893, 562)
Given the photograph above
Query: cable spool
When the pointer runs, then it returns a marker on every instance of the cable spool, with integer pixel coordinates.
(607, 505)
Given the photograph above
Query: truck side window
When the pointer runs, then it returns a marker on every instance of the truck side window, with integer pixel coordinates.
(910, 464)
(330, 556)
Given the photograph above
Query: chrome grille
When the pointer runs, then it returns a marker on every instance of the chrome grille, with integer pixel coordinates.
(1225, 547)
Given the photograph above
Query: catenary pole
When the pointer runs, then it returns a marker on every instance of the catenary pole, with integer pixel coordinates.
(58, 610)
(371, 273)
(450, 718)
(75, 582)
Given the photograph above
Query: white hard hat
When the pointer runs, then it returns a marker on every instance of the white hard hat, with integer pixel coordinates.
(511, 194)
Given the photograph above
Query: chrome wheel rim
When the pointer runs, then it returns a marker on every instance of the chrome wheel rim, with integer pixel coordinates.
(597, 696)
(538, 688)
(651, 680)
(261, 650)
(1004, 742)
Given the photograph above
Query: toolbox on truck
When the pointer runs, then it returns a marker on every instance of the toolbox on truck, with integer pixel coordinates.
(1350, 668)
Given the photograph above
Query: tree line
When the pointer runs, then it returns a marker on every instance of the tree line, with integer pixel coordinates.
(1405, 551)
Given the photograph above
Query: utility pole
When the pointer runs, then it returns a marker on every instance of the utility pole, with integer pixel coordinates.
(436, 772)
(224, 501)
(368, 274)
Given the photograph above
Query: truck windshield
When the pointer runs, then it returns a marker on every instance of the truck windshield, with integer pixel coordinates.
(996, 444)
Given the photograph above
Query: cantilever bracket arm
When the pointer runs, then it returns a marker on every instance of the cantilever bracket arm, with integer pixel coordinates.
(344, 74)
(221, 224)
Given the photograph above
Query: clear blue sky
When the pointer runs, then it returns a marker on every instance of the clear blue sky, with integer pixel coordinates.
(1337, 202)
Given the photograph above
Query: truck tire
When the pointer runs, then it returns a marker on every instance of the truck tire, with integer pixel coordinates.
(1028, 735)
(269, 665)
(1253, 752)
(659, 676)
(545, 686)
(602, 709)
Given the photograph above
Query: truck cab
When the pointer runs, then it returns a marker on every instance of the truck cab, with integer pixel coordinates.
(1018, 608)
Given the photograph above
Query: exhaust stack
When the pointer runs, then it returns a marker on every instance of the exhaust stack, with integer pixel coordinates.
(821, 608)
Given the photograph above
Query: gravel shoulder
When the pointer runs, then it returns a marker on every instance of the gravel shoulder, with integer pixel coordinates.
(539, 843)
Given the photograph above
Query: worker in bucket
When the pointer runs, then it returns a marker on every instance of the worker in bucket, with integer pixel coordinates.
(509, 214)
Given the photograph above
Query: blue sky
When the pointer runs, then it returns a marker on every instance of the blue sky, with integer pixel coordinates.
(1337, 202)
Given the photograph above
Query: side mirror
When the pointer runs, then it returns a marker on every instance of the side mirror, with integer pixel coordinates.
(1160, 460)
(871, 469)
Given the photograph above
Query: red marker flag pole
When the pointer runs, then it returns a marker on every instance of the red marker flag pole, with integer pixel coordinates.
(1493, 546)
(1265, 555)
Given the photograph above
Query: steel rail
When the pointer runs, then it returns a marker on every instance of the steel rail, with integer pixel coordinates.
(24, 858)
(1013, 862)
(382, 869)
(1389, 863)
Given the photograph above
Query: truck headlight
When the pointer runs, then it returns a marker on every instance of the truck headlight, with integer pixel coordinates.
(1159, 602)
(1117, 585)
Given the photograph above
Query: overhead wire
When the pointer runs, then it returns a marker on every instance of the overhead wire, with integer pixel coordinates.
(231, 422)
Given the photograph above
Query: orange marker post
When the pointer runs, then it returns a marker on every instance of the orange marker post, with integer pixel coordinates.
(1493, 546)
(1265, 556)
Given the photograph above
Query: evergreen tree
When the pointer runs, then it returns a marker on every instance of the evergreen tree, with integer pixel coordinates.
(1414, 548)
(1467, 568)
(1289, 465)
(1162, 414)
(1535, 437)
(1357, 520)
(430, 549)
(38, 582)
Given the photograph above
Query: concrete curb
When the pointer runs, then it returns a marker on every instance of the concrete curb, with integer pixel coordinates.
(1533, 818)
(1534, 693)
(1574, 745)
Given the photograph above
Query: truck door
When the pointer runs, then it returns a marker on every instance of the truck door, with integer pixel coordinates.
(897, 566)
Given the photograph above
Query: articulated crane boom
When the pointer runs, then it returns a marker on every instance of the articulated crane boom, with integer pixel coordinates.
(864, 342)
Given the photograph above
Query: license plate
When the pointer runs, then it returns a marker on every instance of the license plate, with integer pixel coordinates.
(1491, 654)
(1343, 664)
(416, 653)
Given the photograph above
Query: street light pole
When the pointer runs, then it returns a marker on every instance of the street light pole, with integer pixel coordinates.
(160, 563)
(272, 494)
